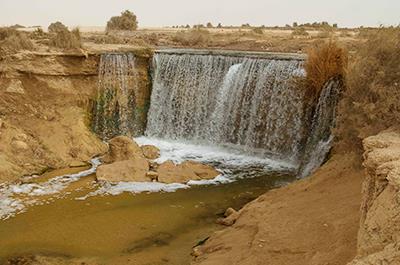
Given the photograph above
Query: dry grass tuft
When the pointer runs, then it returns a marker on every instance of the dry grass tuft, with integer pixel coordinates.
(325, 61)
(66, 39)
(12, 40)
(300, 31)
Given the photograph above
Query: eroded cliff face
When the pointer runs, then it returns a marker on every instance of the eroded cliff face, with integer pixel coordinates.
(379, 234)
(44, 100)
(45, 107)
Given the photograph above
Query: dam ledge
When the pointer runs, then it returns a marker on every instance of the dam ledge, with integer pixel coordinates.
(178, 51)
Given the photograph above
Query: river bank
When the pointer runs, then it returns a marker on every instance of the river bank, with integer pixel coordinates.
(312, 221)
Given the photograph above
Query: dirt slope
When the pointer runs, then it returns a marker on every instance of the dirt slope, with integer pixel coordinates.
(313, 221)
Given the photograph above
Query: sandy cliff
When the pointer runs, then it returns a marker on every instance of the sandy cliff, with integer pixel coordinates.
(379, 234)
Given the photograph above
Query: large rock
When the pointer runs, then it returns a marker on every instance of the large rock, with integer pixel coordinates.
(150, 151)
(122, 148)
(132, 170)
(168, 172)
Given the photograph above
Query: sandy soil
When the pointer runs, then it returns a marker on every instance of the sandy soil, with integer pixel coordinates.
(313, 221)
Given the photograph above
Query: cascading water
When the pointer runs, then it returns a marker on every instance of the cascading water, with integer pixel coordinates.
(249, 103)
(114, 112)
(320, 139)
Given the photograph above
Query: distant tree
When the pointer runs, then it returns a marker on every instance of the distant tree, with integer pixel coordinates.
(187, 26)
(219, 25)
(287, 26)
(209, 25)
(126, 21)
(295, 24)
(57, 27)
(247, 25)
(335, 25)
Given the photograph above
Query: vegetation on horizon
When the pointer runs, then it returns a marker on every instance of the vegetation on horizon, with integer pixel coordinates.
(373, 87)
(126, 21)
(12, 40)
(61, 37)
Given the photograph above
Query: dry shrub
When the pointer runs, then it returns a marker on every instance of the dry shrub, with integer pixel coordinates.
(12, 40)
(194, 37)
(300, 31)
(126, 21)
(66, 39)
(371, 101)
(258, 30)
(324, 61)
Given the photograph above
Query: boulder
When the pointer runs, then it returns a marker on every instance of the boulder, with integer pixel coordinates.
(132, 170)
(150, 151)
(168, 172)
(122, 148)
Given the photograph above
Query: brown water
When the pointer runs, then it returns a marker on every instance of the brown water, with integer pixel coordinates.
(155, 228)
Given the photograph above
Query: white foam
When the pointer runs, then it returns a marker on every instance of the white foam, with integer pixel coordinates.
(10, 205)
(178, 152)
(134, 187)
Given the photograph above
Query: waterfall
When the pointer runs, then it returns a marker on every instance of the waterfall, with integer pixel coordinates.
(247, 103)
(114, 111)
(320, 139)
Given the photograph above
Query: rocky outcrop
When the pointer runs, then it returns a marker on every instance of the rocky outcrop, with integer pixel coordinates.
(127, 162)
(379, 234)
(132, 170)
(122, 148)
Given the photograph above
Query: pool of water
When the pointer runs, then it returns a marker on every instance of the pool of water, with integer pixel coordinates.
(127, 227)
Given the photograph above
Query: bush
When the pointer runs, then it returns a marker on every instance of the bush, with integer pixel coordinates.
(198, 37)
(324, 61)
(299, 31)
(126, 21)
(12, 40)
(57, 27)
(66, 39)
(371, 101)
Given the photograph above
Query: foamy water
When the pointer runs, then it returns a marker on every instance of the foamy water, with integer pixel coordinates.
(232, 163)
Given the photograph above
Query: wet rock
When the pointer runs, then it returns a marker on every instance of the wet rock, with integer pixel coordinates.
(168, 172)
(15, 86)
(201, 170)
(150, 151)
(132, 170)
(122, 148)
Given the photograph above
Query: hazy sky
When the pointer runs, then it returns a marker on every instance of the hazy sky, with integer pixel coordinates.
(228, 12)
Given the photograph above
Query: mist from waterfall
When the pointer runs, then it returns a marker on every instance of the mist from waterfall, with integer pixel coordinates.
(114, 111)
(248, 103)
